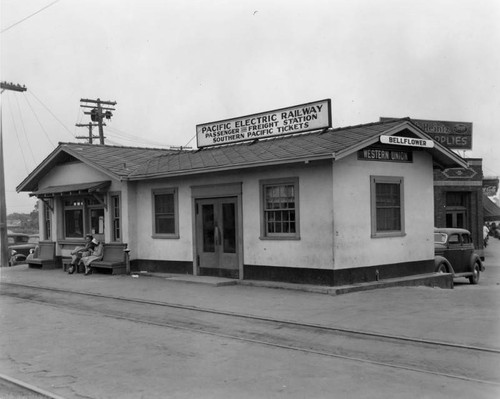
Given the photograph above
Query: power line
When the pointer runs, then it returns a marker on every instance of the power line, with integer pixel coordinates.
(128, 137)
(18, 141)
(55, 117)
(38, 120)
(25, 134)
(29, 16)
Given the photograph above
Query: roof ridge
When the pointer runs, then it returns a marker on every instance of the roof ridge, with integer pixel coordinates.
(407, 118)
(120, 146)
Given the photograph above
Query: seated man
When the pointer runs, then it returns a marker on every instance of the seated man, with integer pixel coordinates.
(96, 254)
(79, 252)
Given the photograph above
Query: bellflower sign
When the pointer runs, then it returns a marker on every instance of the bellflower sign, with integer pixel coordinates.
(453, 135)
(296, 119)
(407, 141)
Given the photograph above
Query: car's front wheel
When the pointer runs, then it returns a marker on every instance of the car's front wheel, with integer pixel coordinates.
(442, 268)
(474, 279)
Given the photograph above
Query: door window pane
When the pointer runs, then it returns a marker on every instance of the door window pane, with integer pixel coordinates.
(207, 214)
(229, 228)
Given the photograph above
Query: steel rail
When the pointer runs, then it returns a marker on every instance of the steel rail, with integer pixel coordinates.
(35, 392)
(254, 341)
(266, 319)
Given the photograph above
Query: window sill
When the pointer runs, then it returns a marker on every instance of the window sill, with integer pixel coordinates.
(389, 234)
(280, 238)
(71, 241)
(165, 236)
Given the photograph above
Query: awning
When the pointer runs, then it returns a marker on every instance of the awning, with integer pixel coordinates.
(71, 189)
(491, 211)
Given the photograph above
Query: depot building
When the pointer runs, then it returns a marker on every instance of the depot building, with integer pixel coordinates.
(285, 197)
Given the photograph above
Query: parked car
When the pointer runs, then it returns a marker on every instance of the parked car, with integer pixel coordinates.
(455, 253)
(20, 246)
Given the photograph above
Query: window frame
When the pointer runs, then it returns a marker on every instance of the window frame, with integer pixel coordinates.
(87, 204)
(66, 208)
(263, 184)
(161, 191)
(47, 219)
(374, 180)
(113, 218)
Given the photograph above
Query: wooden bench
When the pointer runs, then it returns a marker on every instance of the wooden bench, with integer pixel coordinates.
(46, 256)
(113, 259)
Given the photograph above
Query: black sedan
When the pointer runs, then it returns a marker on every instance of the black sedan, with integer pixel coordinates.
(455, 253)
(20, 246)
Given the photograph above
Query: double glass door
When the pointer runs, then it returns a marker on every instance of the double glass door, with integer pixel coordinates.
(217, 236)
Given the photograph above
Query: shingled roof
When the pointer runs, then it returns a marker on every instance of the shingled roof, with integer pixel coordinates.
(330, 144)
(133, 163)
(115, 161)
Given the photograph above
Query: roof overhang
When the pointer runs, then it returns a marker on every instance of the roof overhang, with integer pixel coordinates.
(30, 183)
(72, 189)
(491, 211)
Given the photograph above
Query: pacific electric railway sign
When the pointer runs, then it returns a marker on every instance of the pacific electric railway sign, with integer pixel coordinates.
(296, 119)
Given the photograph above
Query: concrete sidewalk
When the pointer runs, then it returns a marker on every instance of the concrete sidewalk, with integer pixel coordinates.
(465, 315)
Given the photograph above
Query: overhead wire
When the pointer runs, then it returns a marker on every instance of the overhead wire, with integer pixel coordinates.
(130, 137)
(39, 123)
(28, 143)
(29, 16)
(53, 115)
(18, 141)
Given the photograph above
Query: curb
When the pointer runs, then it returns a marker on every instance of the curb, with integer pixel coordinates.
(435, 280)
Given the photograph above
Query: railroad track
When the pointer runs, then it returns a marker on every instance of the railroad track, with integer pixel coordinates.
(470, 363)
(14, 388)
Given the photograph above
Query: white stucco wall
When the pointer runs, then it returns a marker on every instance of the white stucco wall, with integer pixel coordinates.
(335, 214)
(354, 246)
(314, 249)
(74, 173)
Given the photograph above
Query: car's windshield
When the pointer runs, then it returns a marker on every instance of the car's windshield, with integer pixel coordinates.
(440, 238)
(18, 239)
(33, 240)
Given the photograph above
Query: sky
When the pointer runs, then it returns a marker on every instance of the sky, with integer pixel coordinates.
(172, 64)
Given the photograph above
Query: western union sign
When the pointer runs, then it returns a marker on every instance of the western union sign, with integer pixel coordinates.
(292, 120)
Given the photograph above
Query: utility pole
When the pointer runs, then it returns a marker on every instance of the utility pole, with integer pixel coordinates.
(4, 252)
(99, 110)
(90, 136)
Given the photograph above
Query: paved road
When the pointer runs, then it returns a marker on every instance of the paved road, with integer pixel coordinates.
(78, 353)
